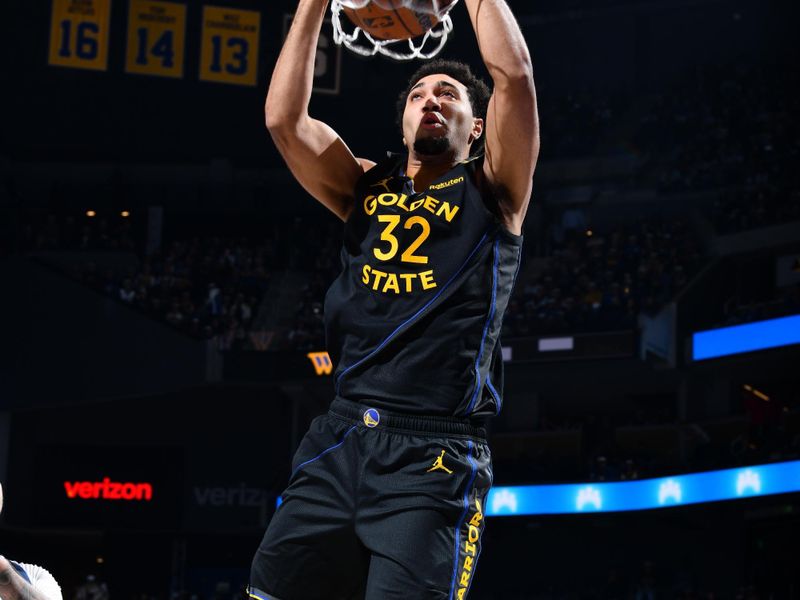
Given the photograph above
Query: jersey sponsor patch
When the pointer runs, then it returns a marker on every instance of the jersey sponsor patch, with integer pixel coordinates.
(447, 184)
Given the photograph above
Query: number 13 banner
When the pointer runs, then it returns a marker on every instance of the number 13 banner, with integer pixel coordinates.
(230, 49)
(79, 34)
(156, 32)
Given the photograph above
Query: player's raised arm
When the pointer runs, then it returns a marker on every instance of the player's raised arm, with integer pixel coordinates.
(512, 120)
(316, 155)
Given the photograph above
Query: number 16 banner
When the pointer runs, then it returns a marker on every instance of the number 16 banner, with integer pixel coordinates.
(79, 34)
(156, 32)
(229, 52)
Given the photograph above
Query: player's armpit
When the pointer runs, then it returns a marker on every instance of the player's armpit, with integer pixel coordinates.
(512, 146)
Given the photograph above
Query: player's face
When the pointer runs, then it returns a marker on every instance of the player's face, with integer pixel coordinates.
(438, 117)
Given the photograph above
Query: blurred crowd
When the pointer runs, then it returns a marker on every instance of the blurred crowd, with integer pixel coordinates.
(722, 128)
(721, 131)
(785, 302)
(205, 287)
(652, 441)
(595, 281)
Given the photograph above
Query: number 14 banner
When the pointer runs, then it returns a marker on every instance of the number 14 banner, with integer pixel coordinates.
(156, 32)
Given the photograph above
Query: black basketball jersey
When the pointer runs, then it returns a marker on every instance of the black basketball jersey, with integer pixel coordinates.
(413, 320)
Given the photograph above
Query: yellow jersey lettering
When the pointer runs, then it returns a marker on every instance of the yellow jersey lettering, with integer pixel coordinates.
(389, 199)
(438, 208)
(468, 563)
(391, 283)
(473, 534)
(397, 283)
(470, 551)
(416, 204)
(426, 278)
(408, 278)
(430, 204)
(446, 184)
(378, 276)
(448, 210)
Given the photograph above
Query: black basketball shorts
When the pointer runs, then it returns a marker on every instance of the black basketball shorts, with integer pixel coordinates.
(379, 506)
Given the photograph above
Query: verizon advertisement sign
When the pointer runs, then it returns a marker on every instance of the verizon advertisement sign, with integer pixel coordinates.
(229, 506)
(109, 487)
(108, 490)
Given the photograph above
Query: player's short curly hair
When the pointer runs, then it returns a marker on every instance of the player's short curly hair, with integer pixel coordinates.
(477, 90)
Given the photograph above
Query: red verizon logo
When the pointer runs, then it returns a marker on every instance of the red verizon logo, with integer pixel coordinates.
(108, 490)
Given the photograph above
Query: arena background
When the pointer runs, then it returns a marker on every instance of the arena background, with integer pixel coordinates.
(162, 278)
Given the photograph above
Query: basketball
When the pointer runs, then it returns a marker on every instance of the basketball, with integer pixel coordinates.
(394, 19)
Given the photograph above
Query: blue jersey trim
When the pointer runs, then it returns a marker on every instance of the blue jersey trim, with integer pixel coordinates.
(463, 517)
(412, 318)
(495, 393)
(323, 453)
(489, 319)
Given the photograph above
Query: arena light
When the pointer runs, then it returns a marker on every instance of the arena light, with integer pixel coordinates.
(761, 335)
(125, 214)
(645, 494)
(756, 393)
(556, 344)
(91, 213)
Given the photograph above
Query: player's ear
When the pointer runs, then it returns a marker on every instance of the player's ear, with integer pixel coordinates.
(477, 130)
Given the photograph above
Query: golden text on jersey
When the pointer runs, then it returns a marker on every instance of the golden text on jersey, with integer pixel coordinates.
(413, 320)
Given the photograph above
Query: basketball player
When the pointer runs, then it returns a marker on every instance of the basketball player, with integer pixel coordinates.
(387, 493)
(21, 581)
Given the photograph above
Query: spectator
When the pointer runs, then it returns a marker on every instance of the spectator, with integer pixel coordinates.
(24, 581)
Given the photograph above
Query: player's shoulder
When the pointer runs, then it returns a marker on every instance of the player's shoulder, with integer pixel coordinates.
(386, 167)
(366, 164)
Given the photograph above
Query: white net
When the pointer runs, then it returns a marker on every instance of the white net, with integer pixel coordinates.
(361, 42)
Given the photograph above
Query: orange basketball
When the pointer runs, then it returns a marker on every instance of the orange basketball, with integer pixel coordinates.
(397, 23)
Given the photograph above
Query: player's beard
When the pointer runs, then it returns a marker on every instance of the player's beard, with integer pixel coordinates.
(431, 146)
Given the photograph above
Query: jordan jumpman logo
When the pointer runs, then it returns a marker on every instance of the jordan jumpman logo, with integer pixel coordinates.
(439, 465)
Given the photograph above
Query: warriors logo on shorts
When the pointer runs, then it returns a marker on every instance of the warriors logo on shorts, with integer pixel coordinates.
(371, 417)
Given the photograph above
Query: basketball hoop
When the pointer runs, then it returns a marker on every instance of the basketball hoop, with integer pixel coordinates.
(361, 42)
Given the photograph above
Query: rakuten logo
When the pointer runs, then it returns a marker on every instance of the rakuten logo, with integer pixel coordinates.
(108, 490)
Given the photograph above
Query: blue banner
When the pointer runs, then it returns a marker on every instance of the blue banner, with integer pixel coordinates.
(664, 492)
(750, 337)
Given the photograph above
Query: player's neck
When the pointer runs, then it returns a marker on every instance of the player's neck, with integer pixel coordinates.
(424, 170)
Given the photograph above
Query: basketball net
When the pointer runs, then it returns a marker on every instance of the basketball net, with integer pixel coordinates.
(361, 42)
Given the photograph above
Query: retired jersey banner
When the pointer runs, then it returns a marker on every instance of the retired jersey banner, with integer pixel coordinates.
(229, 52)
(156, 32)
(79, 34)
(328, 60)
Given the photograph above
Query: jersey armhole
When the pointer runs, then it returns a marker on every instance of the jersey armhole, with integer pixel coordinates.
(490, 196)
